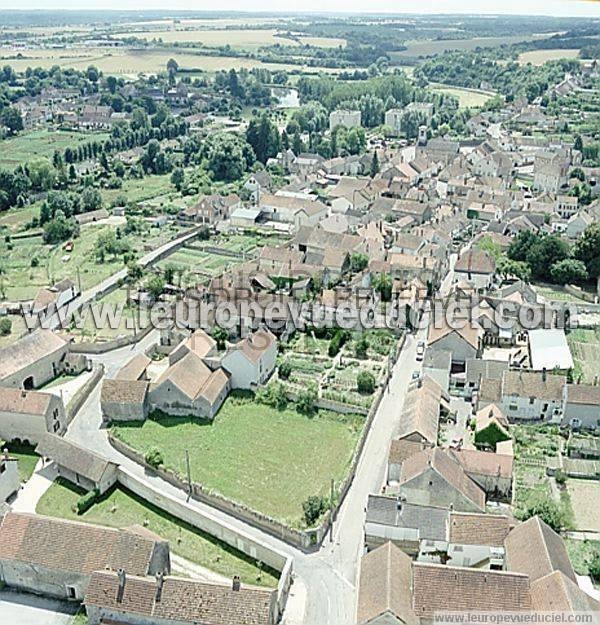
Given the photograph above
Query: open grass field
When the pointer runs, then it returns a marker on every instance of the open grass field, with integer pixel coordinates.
(467, 98)
(431, 47)
(585, 348)
(23, 281)
(191, 260)
(141, 189)
(539, 57)
(131, 62)
(42, 144)
(120, 508)
(243, 39)
(271, 460)
(585, 501)
(15, 219)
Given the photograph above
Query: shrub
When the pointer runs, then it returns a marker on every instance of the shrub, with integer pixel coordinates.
(594, 567)
(336, 343)
(560, 477)
(362, 345)
(549, 511)
(307, 399)
(85, 502)
(285, 369)
(313, 508)
(5, 326)
(154, 457)
(274, 394)
(365, 381)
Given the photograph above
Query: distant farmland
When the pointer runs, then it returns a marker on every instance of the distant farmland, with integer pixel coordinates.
(539, 57)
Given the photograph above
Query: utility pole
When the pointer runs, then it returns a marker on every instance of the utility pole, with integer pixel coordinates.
(187, 462)
(79, 279)
(331, 513)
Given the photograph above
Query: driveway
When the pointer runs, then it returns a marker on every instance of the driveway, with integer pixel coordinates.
(22, 609)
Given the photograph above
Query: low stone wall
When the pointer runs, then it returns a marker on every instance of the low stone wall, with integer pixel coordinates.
(109, 346)
(83, 393)
(241, 542)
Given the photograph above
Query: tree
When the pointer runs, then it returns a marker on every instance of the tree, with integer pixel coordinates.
(548, 511)
(520, 246)
(155, 286)
(382, 283)
(307, 399)
(578, 143)
(91, 199)
(220, 335)
(60, 229)
(314, 508)
(361, 348)
(507, 267)
(135, 272)
(5, 326)
(358, 262)
(546, 251)
(228, 156)
(365, 382)
(594, 567)
(569, 271)
(263, 136)
(178, 178)
(11, 118)
(374, 165)
(587, 250)
(154, 457)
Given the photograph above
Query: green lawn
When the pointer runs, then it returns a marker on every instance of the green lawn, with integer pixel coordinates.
(38, 144)
(121, 508)
(268, 459)
(26, 457)
(582, 552)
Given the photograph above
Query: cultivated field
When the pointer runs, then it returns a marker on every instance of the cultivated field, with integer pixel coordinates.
(42, 144)
(431, 47)
(585, 500)
(271, 460)
(585, 348)
(467, 98)
(539, 57)
(120, 508)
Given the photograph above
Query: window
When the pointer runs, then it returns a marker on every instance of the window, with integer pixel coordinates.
(513, 407)
(531, 400)
(71, 592)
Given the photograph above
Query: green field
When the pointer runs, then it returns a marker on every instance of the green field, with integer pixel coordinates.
(120, 508)
(539, 57)
(42, 144)
(467, 98)
(18, 329)
(268, 459)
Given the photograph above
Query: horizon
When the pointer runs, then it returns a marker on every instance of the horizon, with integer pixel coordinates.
(526, 8)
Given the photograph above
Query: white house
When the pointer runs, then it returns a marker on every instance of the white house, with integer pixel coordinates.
(477, 267)
(582, 406)
(347, 119)
(252, 361)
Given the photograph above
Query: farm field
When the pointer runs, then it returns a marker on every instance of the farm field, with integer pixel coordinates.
(431, 47)
(196, 264)
(271, 460)
(16, 218)
(42, 144)
(539, 57)
(467, 98)
(122, 509)
(585, 349)
(140, 189)
(585, 501)
(131, 62)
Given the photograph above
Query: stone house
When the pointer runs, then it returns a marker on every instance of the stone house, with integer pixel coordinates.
(211, 209)
(434, 477)
(297, 211)
(124, 400)
(477, 267)
(190, 387)
(56, 558)
(118, 597)
(10, 480)
(54, 297)
(29, 415)
(463, 342)
(251, 362)
(490, 471)
(345, 118)
(33, 360)
(77, 464)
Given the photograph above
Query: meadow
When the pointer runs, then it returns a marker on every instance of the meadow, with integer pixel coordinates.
(539, 57)
(467, 98)
(271, 460)
(38, 144)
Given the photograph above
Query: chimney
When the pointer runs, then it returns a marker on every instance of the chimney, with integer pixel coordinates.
(120, 591)
(160, 580)
(236, 584)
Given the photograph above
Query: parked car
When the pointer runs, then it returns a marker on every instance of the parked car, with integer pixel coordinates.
(420, 350)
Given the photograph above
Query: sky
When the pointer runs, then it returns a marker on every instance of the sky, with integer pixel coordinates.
(568, 8)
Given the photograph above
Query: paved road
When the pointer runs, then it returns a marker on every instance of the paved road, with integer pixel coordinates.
(326, 579)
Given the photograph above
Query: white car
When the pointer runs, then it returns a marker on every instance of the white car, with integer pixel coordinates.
(420, 350)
